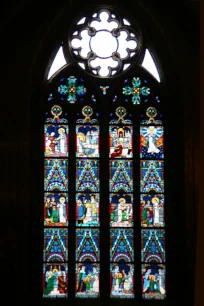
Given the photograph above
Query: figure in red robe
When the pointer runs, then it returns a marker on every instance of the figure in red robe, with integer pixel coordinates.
(117, 151)
(52, 142)
(61, 283)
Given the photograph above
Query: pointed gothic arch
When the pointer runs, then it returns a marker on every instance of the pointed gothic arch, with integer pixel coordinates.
(141, 74)
(130, 153)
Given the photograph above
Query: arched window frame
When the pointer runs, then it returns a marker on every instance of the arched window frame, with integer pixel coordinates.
(158, 87)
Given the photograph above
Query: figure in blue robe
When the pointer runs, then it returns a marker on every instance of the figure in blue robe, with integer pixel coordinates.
(146, 280)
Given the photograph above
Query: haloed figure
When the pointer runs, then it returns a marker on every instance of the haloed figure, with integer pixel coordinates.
(152, 148)
(62, 210)
(118, 149)
(62, 140)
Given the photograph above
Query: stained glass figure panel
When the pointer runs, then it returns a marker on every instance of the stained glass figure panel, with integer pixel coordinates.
(56, 140)
(55, 209)
(152, 210)
(153, 281)
(87, 209)
(87, 175)
(55, 280)
(152, 176)
(87, 245)
(87, 280)
(120, 176)
(122, 280)
(55, 244)
(120, 141)
(153, 245)
(87, 140)
(121, 245)
(56, 175)
(151, 142)
(121, 210)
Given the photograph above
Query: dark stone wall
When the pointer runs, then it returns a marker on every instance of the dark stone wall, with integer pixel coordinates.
(28, 40)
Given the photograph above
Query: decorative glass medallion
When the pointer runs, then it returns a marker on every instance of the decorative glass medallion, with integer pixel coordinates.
(56, 111)
(72, 89)
(136, 91)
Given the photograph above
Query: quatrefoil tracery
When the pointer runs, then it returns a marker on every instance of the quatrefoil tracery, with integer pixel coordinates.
(104, 45)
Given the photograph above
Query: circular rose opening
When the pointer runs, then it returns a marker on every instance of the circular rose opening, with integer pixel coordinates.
(103, 44)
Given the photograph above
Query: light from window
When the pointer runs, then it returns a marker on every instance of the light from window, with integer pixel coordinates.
(58, 62)
(149, 64)
(104, 44)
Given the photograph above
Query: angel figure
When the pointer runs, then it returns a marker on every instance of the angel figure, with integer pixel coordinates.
(152, 139)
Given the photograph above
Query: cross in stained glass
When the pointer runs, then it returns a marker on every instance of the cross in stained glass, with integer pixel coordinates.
(71, 89)
(136, 91)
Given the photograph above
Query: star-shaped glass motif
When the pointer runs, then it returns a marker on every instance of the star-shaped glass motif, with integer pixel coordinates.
(104, 89)
(136, 91)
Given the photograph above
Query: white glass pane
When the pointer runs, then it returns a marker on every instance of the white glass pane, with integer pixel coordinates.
(126, 22)
(58, 62)
(103, 44)
(124, 44)
(82, 65)
(82, 20)
(126, 66)
(149, 64)
(103, 64)
(104, 24)
(82, 43)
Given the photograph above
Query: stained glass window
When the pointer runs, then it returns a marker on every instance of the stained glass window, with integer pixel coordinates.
(103, 179)
(87, 205)
(153, 252)
(121, 205)
(55, 251)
